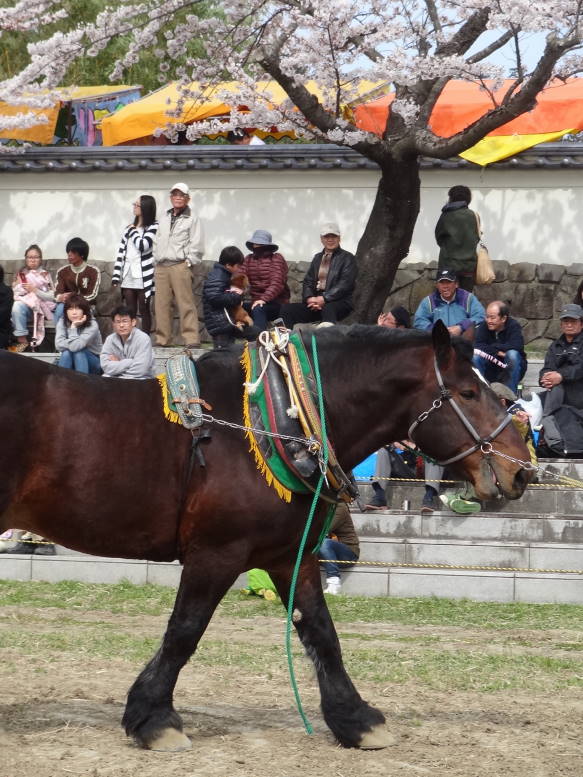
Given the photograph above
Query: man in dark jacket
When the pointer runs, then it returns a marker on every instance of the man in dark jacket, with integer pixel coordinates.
(219, 299)
(328, 284)
(457, 236)
(500, 337)
(6, 298)
(562, 376)
(564, 359)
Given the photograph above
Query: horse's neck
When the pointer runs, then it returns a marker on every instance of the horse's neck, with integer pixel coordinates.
(368, 410)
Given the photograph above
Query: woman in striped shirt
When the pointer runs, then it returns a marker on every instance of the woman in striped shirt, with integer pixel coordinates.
(134, 267)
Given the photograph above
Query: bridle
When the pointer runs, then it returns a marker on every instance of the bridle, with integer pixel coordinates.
(484, 444)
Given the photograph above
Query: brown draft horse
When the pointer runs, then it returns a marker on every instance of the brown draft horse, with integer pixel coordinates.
(92, 464)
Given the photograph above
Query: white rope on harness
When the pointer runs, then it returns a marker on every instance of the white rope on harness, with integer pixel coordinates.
(271, 347)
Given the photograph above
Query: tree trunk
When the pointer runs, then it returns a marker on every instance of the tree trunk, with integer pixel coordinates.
(387, 236)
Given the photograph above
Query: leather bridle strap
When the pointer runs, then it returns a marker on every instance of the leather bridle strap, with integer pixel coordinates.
(482, 443)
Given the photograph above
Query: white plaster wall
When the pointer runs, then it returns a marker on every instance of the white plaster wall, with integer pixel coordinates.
(530, 215)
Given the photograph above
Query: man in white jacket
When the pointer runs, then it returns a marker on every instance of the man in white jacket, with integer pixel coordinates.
(127, 352)
(179, 245)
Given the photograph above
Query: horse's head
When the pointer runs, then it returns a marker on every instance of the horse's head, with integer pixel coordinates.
(466, 425)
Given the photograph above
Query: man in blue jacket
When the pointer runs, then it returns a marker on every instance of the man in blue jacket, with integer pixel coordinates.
(500, 337)
(458, 309)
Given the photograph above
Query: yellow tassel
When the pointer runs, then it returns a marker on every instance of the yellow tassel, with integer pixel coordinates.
(283, 492)
(170, 415)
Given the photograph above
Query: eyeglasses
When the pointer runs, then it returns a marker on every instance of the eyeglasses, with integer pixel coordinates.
(181, 195)
(33, 256)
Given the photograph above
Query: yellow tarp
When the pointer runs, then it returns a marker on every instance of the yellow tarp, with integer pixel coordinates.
(44, 133)
(142, 117)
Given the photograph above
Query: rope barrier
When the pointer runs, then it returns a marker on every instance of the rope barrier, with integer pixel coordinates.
(372, 479)
(476, 567)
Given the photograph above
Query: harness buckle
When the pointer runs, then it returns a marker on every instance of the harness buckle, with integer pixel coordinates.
(486, 448)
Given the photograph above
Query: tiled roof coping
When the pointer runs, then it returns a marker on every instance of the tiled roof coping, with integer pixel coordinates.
(76, 159)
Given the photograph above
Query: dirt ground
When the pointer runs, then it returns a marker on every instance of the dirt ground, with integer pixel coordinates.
(61, 716)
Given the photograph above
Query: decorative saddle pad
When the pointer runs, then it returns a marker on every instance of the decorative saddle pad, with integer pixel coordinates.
(183, 390)
(281, 400)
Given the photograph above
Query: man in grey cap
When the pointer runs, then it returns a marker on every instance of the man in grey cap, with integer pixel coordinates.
(328, 285)
(179, 245)
(564, 359)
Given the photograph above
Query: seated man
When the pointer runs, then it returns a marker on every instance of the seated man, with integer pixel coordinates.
(340, 545)
(127, 352)
(221, 300)
(562, 376)
(76, 278)
(500, 336)
(328, 284)
(458, 309)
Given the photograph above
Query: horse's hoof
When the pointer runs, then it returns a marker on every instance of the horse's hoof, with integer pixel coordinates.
(377, 738)
(170, 740)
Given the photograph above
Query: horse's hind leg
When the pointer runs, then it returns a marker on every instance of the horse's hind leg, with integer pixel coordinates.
(150, 717)
(353, 722)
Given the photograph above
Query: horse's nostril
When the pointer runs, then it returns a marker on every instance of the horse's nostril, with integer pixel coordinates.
(522, 478)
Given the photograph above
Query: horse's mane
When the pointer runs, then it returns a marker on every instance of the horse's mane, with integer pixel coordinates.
(361, 335)
(347, 339)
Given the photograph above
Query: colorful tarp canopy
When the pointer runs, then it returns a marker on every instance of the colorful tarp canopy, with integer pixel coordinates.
(143, 117)
(559, 110)
(45, 133)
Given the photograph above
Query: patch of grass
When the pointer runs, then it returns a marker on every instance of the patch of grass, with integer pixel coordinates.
(464, 671)
(130, 599)
(124, 597)
(433, 667)
(79, 644)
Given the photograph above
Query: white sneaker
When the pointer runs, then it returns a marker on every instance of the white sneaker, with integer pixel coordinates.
(334, 586)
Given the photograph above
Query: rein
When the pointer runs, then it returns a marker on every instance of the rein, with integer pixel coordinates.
(484, 444)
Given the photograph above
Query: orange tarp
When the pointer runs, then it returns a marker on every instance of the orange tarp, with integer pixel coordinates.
(559, 110)
(560, 105)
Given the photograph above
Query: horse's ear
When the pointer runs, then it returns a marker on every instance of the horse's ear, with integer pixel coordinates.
(468, 334)
(441, 343)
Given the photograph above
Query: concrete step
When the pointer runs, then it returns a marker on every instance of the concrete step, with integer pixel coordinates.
(530, 379)
(553, 500)
(478, 585)
(478, 528)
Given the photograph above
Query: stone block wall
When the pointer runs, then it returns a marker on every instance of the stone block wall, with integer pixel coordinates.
(108, 297)
(535, 292)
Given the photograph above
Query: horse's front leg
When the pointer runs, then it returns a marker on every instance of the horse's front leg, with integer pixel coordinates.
(353, 722)
(150, 717)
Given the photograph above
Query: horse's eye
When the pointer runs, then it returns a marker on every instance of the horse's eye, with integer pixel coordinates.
(468, 394)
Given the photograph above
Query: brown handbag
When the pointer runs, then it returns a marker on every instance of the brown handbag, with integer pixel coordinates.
(484, 268)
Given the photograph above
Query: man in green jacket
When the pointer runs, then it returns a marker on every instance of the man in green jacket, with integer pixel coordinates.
(457, 235)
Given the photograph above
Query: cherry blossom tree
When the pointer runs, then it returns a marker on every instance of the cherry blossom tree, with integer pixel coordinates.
(415, 46)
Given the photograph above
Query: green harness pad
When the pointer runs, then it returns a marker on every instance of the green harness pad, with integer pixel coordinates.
(182, 384)
(260, 420)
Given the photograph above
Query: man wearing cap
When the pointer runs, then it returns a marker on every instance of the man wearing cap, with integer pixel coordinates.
(267, 272)
(500, 336)
(328, 284)
(564, 359)
(179, 245)
(457, 308)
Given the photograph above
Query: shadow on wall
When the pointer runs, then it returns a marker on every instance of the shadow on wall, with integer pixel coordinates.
(229, 217)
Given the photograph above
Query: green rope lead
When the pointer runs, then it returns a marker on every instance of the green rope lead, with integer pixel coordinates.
(292, 590)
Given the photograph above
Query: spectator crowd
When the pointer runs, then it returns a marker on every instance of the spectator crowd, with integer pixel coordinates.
(245, 292)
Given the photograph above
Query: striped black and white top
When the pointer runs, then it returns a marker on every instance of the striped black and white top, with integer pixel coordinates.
(143, 242)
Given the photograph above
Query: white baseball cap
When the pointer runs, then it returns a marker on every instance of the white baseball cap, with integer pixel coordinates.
(330, 228)
(182, 187)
